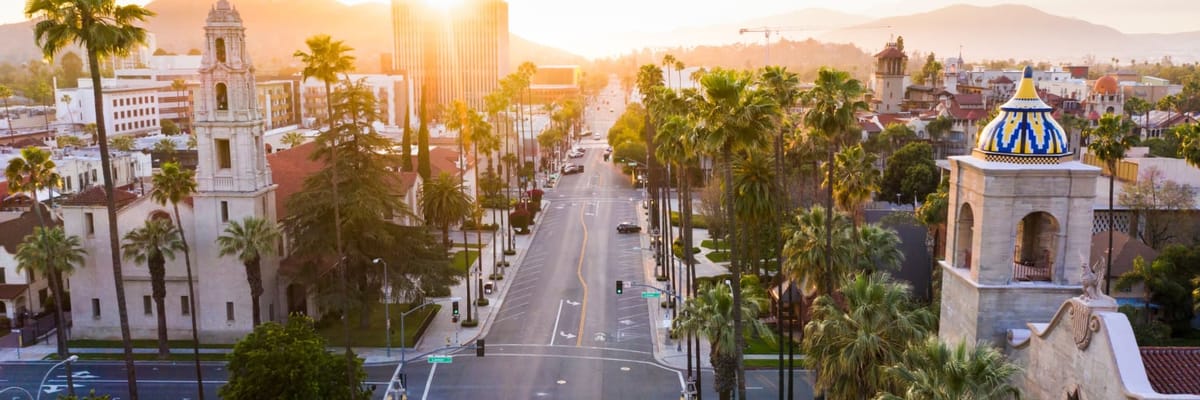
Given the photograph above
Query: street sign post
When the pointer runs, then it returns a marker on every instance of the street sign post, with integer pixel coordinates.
(651, 295)
(440, 359)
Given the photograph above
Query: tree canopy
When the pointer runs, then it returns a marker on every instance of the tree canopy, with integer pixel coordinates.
(290, 362)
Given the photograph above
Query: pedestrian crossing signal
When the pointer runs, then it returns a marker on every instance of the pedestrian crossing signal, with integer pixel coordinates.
(620, 287)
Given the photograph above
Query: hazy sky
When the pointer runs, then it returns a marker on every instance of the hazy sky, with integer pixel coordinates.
(563, 22)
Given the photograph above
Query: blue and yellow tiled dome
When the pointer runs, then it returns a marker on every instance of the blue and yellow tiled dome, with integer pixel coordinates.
(1024, 131)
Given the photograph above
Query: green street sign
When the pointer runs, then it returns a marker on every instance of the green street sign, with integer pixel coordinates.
(651, 295)
(440, 359)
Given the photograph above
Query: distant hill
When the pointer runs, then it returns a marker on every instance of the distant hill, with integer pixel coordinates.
(277, 28)
(1016, 32)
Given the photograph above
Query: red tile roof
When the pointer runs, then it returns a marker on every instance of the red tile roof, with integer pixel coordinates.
(1173, 370)
(408, 180)
(890, 52)
(971, 99)
(958, 112)
(445, 160)
(289, 169)
(889, 119)
(94, 196)
(1002, 80)
(13, 231)
(11, 291)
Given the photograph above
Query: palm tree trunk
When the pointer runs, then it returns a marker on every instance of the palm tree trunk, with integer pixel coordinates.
(736, 284)
(60, 320)
(111, 207)
(164, 349)
(254, 276)
(1112, 174)
(829, 223)
(187, 261)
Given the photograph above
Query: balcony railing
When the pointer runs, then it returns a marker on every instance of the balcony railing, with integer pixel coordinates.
(1030, 272)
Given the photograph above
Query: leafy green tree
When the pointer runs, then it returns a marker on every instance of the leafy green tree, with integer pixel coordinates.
(1189, 143)
(292, 139)
(851, 345)
(312, 373)
(121, 143)
(1157, 277)
(153, 244)
(71, 69)
(69, 141)
(933, 370)
(910, 174)
(173, 184)
(91, 396)
(737, 116)
(168, 127)
(1108, 142)
(250, 240)
(423, 166)
(931, 72)
(444, 203)
(50, 252)
(711, 314)
(1158, 203)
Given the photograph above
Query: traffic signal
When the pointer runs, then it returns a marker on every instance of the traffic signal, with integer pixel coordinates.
(479, 348)
(620, 287)
(454, 309)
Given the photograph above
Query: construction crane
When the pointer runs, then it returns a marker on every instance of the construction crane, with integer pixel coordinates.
(767, 31)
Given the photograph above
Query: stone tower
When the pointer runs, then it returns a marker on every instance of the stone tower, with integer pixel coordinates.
(1020, 218)
(232, 177)
(891, 65)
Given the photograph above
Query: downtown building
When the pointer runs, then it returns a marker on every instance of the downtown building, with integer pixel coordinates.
(458, 53)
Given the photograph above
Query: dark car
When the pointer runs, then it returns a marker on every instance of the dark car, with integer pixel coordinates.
(628, 227)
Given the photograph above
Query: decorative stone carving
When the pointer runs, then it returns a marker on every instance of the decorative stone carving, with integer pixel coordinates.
(1090, 279)
(1083, 324)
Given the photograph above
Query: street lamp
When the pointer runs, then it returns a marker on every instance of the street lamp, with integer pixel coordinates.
(387, 294)
(70, 382)
(403, 316)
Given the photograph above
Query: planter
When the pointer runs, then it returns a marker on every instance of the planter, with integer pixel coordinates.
(496, 277)
(661, 278)
(510, 252)
(469, 323)
(482, 302)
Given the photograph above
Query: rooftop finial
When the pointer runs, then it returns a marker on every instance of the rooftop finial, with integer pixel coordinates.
(1028, 70)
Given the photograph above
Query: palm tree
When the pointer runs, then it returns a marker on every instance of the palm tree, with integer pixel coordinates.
(668, 62)
(1189, 143)
(66, 99)
(1156, 277)
(1135, 106)
(250, 240)
(937, 130)
(878, 248)
(121, 143)
(31, 172)
(292, 139)
(832, 105)
(855, 179)
(754, 187)
(525, 71)
(5, 93)
(173, 184)
(735, 117)
(443, 203)
(805, 253)
(51, 253)
(1108, 142)
(712, 314)
(103, 29)
(932, 370)
(180, 86)
(153, 244)
(850, 345)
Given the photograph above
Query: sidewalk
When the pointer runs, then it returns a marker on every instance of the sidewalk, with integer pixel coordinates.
(671, 352)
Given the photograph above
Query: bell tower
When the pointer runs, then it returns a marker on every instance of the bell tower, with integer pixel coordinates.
(233, 180)
(1020, 217)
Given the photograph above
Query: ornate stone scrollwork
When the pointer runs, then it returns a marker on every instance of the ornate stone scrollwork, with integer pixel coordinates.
(1083, 324)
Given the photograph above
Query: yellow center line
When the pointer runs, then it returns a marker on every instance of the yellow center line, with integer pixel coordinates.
(579, 274)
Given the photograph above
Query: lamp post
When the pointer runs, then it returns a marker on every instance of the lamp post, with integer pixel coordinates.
(387, 301)
(70, 382)
(403, 316)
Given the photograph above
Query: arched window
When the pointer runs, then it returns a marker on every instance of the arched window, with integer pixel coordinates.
(1034, 252)
(222, 97)
(963, 236)
(220, 49)
(160, 214)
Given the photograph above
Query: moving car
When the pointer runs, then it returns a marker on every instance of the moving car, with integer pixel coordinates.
(574, 154)
(572, 169)
(628, 227)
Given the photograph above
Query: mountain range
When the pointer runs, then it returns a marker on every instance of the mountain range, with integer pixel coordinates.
(276, 28)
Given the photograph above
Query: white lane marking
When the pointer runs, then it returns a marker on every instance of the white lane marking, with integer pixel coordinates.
(509, 317)
(554, 332)
(429, 381)
(682, 384)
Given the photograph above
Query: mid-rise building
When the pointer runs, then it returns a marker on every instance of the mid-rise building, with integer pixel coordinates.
(455, 53)
(131, 107)
(392, 99)
(554, 82)
(278, 100)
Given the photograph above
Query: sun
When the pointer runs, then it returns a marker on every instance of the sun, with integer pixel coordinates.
(443, 4)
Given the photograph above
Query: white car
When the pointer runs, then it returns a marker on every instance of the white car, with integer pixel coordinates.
(596, 136)
(574, 154)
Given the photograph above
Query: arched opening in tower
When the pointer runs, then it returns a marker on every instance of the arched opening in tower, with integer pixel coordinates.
(1036, 245)
(963, 236)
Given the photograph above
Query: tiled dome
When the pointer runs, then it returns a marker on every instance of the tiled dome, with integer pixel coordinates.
(1024, 131)
(1105, 85)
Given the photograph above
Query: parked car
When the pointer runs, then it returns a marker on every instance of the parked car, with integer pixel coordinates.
(572, 169)
(628, 227)
(574, 154)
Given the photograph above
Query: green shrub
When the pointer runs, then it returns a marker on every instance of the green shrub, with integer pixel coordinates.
(698, 221)
(469, 323)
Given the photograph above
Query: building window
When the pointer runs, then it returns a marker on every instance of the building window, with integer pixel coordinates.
(3, 279)
(220, 48)
(229, 311)
(222, 97)
(185, 306)
(224, 211)
(224, 159)
(93, 175)
(89, 223)
(147, 308)
(96, 308)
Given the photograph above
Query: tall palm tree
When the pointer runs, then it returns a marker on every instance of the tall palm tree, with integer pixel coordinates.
(1108, 141)
(31, 172)
(526, 71)
(855, 179)
(5, 94)
(754, 187)
(250, 240)
(326, 59)
(878, 248)
(832, 105)
(712, 314)
(735, 117)
(444, 203)
(668, 62)
(933, 370)
(153, 244)
(180, 86)
(292, 139)
(850, 345)
(51, 253)
(806, 255)
(173, 184)
(1189, 143)
(103, 29)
